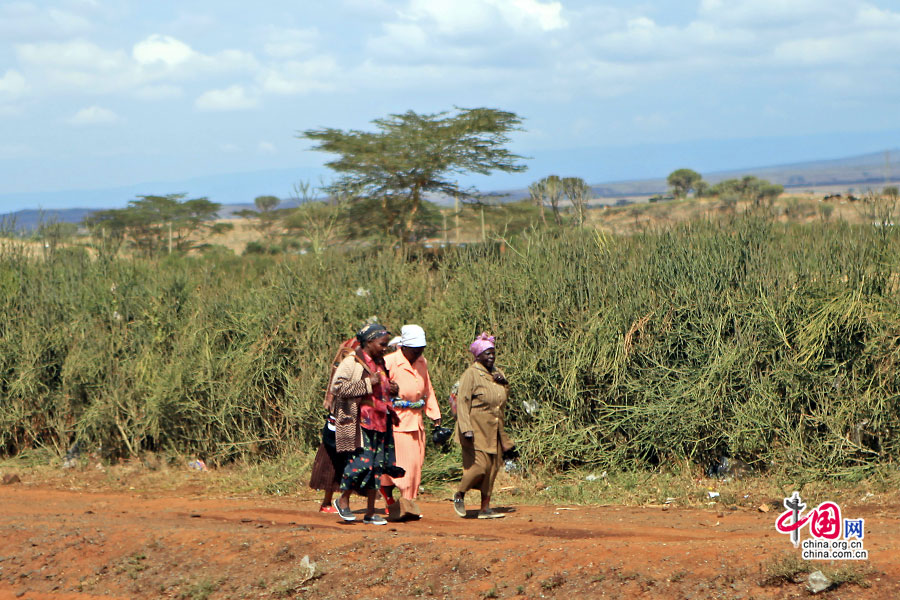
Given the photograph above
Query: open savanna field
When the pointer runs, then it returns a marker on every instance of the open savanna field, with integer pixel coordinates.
(646, 353)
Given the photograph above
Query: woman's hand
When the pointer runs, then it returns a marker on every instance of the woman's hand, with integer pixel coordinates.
(436, 422)
(374, 378)
(393, 388)
(499, 378)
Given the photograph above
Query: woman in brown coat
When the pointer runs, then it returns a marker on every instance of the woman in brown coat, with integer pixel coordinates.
(363, 420)
(479, 426)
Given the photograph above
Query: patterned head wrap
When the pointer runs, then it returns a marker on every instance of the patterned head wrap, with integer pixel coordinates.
(481, 343)
(371, 332)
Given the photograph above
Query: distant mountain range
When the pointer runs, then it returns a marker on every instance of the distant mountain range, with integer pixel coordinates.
(863, 171)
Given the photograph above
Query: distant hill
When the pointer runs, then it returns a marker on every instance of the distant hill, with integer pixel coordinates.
(29, 220)
(860, 172)
(872, 170)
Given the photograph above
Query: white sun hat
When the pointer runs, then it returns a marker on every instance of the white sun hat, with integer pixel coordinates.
(411, 336)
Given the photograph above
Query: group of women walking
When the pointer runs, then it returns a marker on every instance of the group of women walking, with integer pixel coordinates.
(374, 437)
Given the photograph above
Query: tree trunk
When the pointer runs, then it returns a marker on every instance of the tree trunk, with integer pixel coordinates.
(415, 200)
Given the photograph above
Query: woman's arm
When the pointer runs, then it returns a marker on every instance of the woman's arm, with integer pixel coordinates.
(464, 402)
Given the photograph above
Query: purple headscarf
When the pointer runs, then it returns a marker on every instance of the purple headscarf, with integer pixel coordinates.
(481, 343)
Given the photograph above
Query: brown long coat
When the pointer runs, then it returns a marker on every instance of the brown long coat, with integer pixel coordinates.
(480, 403)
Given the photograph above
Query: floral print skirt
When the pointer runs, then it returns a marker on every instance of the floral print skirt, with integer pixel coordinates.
(366, 464)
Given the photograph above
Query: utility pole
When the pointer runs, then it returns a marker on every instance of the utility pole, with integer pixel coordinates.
(482, 224)
(456, 213)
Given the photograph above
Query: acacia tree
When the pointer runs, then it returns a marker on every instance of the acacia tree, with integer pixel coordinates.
(683, 181)
(411, 155)
(537, 192)
(549, 189)
(578, 192)
(760, 192)
(152, 223)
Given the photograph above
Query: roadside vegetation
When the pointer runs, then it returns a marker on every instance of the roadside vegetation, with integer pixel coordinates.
(774, 344)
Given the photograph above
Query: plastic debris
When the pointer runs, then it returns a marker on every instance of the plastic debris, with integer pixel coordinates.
(726, 469)
(197, 465)
(453, 391)
(764, 508)
(531, 406)
(71, 459)
(363, 292)
(817, 582)
(591, 477)
(307, 569)
(511, 466)
(713, 494)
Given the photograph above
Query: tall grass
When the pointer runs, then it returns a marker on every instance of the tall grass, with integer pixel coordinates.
(775, 344)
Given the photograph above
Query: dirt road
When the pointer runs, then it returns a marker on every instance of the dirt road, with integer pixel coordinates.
(74, 545)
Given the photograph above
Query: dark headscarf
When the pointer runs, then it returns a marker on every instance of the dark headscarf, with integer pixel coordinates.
(371, 332)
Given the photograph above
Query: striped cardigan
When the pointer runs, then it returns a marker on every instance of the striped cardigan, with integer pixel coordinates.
(349, 386)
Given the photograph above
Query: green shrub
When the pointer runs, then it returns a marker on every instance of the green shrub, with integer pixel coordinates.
(770, 343)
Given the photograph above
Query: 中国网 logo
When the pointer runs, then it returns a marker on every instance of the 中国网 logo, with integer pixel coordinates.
(831, 536)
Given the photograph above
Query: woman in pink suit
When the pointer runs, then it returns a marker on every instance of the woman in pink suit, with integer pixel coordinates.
(415, 400)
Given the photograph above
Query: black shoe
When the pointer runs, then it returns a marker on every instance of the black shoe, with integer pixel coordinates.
(345, 513)
(459, 506)
(374, 520)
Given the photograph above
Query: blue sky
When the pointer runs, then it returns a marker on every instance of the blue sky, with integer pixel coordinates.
(109, 93)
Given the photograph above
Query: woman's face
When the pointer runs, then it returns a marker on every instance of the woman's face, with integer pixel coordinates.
(377, 347)
(412, 353)
(486, 358)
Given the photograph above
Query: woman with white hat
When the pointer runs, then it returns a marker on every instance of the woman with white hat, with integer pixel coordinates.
(409, 369)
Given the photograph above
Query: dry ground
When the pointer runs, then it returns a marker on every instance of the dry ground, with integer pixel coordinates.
(115, 534)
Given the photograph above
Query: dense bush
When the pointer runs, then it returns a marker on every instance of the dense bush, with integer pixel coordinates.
(775, 344)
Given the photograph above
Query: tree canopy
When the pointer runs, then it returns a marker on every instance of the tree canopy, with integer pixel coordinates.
(759, 192)
(152, 223)
(411, 154)
(683, 181)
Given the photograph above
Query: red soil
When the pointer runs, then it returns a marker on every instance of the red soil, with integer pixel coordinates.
(76, 545)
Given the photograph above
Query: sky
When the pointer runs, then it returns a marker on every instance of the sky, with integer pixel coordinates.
(110, 93)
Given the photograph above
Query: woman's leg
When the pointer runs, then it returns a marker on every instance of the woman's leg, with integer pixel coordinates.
(492, 467)
(410, 454)
(370, 502)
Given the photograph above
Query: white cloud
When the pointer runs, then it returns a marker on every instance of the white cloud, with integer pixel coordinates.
(161, 49)
(12, 85)
(20, 21)
(234, 97)
(751, 13)
(229, 148)
(94, 115)
(266, 148)
(152, 70)
(528, 14)
(460, 17)
(300, 77)
(77, 54)
(161, 91)
(291, 43)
